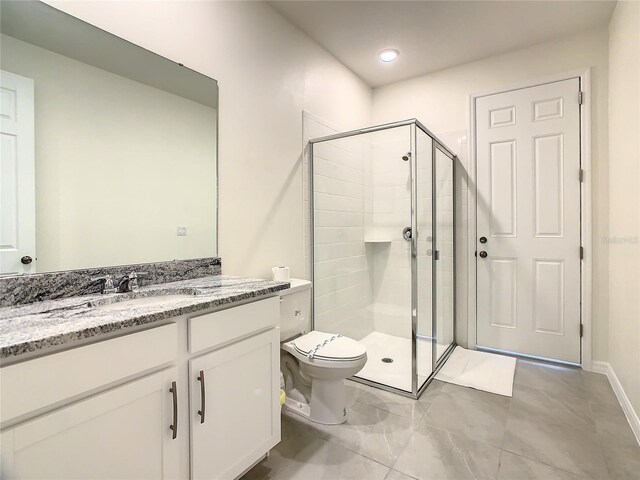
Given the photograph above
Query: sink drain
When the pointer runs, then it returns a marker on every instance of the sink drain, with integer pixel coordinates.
(387, 360)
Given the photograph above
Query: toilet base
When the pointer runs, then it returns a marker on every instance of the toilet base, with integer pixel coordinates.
(328, 401)
(315, 387)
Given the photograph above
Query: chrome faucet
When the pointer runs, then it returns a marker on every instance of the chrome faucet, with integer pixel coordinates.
(129, 283)
(107, 284)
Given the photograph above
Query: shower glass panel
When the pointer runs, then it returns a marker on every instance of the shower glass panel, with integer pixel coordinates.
(374, 204)
(445, 245)
(424, 256)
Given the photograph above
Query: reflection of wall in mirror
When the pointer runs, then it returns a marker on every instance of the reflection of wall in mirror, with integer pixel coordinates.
(119, 165)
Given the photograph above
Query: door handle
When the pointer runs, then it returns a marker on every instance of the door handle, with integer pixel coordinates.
(26, 260)
(483, 254)
(174, 425)
(202, 396)
(483, 240)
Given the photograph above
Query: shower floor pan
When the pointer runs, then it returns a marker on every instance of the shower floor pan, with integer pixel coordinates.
(389, 360)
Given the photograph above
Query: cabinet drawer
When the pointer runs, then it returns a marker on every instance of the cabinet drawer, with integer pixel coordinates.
(220, 327)
(38, 383)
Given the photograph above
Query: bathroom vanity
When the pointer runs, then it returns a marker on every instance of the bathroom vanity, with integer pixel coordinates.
(177, 376)
(177, 380)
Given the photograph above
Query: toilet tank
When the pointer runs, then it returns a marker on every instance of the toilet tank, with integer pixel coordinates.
(295, 309)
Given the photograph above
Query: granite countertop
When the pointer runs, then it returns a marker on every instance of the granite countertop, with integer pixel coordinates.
(40, 325)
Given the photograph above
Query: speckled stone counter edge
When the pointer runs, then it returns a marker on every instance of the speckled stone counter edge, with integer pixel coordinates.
(24, 289)
(225, 291)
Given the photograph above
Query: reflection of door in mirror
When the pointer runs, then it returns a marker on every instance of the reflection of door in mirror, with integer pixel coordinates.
(124, 149)
(17, 175)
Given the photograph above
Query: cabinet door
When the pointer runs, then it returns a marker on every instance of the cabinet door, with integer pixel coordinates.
(235, 410)
(122, 433)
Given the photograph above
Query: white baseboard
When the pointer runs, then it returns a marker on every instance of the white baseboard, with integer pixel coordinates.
(632, 416)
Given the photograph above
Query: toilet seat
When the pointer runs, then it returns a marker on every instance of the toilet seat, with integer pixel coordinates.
(329, 347)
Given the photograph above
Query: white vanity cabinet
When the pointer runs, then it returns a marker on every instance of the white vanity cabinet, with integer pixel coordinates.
(122, 433)
(235, 409)
(126, 407)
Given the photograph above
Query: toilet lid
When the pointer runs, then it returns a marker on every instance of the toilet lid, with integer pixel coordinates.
(335, 348)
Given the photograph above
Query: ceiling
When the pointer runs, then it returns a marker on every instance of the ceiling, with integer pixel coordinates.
(47, 27)
(433, 35)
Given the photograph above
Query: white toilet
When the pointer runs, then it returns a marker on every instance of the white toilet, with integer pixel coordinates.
(314, 364)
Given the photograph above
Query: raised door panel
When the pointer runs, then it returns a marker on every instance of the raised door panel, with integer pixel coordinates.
(502, 178)
(120, 434)
(548, 298)
(548, 185)
(503, 278)
(236, 390)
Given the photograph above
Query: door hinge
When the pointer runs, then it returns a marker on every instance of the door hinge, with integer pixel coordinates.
(436, 255)
(580, 98)
(581, 175)
(581, 330)
(581, 253)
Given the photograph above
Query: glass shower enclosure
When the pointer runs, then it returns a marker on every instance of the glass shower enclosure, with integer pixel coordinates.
(382, 249)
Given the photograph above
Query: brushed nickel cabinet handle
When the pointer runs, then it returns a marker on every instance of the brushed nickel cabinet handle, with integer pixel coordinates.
(202, 396)
(174, 426)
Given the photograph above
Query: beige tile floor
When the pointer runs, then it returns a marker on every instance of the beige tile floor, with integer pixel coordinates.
(561, 423)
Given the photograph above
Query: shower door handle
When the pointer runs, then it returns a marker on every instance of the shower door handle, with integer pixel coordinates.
(407, 233)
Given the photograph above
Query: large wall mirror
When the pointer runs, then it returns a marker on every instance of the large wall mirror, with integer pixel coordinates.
(109, 151)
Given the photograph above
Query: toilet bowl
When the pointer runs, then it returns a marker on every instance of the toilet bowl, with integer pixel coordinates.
(314, 364)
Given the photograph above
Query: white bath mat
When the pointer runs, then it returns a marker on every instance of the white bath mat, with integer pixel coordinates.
(482, 371)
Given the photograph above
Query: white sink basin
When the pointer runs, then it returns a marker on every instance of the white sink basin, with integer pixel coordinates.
(143, 302)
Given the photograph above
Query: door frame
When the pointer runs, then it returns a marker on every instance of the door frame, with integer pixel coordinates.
(585, 207)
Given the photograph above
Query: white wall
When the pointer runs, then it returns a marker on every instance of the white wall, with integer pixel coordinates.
(440, 101)
(624, 198)
(268, 73)
(119, 165)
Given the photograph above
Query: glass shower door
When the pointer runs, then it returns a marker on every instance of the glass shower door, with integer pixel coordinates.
(424, 256)
(444, 235)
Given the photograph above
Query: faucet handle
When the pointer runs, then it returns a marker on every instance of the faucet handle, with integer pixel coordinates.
(133, 280)
(107, 283)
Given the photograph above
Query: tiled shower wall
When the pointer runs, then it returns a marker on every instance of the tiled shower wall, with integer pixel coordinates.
(388, 213)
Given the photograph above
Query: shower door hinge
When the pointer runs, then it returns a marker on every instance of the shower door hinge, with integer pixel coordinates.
(581, 175)
(581, 253)
(436, 255)
(581, 330)
(580, 98)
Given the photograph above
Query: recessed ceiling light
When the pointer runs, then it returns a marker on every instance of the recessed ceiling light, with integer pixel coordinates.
(388, 55)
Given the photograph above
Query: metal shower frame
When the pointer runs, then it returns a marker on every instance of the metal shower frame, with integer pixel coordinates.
(414, 124)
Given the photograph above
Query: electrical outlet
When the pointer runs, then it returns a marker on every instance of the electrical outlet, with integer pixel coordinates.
(181, 231)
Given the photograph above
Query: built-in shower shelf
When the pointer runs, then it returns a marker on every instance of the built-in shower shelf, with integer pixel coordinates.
(377, 239)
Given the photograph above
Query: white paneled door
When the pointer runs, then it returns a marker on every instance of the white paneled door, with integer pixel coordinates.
(17, 175)
(528, 220)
